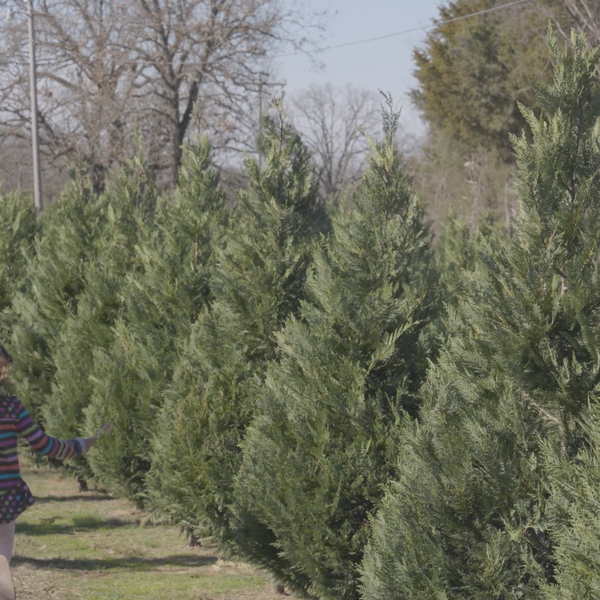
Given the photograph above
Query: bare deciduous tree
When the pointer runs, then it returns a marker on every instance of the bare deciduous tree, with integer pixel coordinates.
(107, 68)
(85, 83)
(335, 123)
(204, 59)
(584, 16)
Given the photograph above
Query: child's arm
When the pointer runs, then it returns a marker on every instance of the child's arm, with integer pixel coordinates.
(44, 445)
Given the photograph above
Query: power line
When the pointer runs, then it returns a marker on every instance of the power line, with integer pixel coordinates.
(405, 31)
(318, 50)
(35, 138)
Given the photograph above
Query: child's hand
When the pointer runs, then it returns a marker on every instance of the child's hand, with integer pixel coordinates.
(89, 442)
(104, 429)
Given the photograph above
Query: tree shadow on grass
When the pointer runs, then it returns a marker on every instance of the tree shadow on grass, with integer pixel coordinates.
(127, 563)
(93, 497)
(76, 524)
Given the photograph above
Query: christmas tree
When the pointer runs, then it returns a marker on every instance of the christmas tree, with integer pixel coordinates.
(55, 272)
(257, 282)
(325, 436)
(18, 230)
(161, 298)
(127, 207)
(468, 515)
(573, 509)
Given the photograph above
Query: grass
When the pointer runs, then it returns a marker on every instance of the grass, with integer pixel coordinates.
(75, 545)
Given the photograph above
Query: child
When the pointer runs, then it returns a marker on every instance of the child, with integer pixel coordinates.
(15, 496)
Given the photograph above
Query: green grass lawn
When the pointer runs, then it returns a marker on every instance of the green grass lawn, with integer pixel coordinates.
(75, 545)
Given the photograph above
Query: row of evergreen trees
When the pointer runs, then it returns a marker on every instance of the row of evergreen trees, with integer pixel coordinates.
(315, 388)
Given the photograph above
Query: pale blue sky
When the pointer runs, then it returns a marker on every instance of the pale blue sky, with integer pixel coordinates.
(385, 64)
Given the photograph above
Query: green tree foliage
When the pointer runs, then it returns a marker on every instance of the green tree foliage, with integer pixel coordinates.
(324, 440)
(468, 515)
(472, 72)
(18, 230)
(258, 282)
(55, 274)
(127, 205)
(455, 254)
(574, 507)
(160, 298)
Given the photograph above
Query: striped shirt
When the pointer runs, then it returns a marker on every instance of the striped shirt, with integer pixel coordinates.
(15, 421)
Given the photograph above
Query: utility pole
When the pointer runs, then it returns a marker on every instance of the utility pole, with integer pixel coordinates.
(35, 139)
(260, 113)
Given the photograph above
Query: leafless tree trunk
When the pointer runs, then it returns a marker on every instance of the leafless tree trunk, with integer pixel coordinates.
(203, 60)
(85, 82)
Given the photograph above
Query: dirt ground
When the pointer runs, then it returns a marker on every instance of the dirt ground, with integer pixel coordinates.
(75, 545)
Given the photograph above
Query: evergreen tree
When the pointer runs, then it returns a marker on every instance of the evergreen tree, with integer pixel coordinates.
(160, 299)
(18, 229)
(128, 204)
(467, 517)
(472, 72)
(324, 439)
(55, 273)
(257, 283)
(574, 509)
(455, 254)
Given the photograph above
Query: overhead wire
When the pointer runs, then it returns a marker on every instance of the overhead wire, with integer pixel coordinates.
(405, 31)
(333, 46)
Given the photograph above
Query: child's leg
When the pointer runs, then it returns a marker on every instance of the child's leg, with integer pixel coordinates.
(7, 539)
(7, 590)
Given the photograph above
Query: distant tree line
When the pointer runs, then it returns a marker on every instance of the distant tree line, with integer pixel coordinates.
(111, 73)
(118, 77)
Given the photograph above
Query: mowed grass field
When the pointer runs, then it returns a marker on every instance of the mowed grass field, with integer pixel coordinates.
(75, 545)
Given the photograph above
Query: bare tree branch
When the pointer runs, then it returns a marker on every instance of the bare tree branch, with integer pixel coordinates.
(335, 122)
(107, 68)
